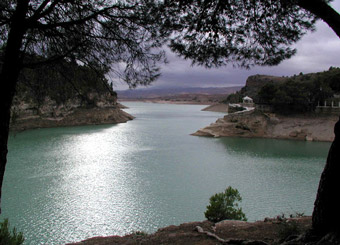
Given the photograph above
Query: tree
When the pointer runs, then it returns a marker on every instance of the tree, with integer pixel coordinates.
(10, 237)
(62, 81)
(224, 206)
(267, 93)
(126, 33)
(245, 33)
(291, 96)
(120, 36)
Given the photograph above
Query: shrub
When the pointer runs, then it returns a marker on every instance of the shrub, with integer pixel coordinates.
(288, 229)
(224, 205)
(139, 233)
(9, 238)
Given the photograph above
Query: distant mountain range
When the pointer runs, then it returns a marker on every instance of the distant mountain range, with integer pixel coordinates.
(165, 93)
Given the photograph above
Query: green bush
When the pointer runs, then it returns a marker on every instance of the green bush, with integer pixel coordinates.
(9, 238)
(287, 229)
(139, 233)
(224, 205)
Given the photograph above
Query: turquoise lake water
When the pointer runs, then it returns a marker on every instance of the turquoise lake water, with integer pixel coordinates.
(69, 184)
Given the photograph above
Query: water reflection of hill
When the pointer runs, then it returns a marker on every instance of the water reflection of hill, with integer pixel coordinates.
(275, 148)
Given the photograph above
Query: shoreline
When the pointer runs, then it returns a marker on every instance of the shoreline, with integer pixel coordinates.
(220, 107)
(248, 124)
(256, 124)
(77, 117)
(307, 127)
(158, 101)
(263, 232)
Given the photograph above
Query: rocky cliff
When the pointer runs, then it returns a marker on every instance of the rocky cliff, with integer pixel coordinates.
(264, 125)
(256, 82)
(269, 231)
(27, 114)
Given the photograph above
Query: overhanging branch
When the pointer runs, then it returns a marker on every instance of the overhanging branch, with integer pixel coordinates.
(324, 11)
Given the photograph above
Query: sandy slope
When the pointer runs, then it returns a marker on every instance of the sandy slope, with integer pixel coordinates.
(257, 124)
(265, 232)
(76, 117)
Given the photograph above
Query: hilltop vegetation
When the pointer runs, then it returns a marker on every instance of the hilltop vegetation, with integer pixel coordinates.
(299, 93)
(64, 94)
(60, 82)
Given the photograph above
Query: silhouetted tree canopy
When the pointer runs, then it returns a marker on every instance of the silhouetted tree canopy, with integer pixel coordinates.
(245, 33)
(62, 81)
(123, 37)
(120, 35)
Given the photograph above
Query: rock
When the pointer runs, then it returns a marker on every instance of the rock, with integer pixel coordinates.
(233, 108)
(293, 134)
(225, 232)
(257, 124)
(330, 238)
(73, 112)
(217, 108)
(309, 138)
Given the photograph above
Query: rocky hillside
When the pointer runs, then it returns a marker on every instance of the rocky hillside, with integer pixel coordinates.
(269, 231)
(253, 86)
(257, 124)
(312, 87)
(65, 94)
(256, 82)
(27, 115)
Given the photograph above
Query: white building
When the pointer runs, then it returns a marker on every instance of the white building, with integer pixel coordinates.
(247, 100)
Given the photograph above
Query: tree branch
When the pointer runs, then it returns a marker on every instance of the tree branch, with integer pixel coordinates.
(104, 11)
(324, 11)
(38, 14)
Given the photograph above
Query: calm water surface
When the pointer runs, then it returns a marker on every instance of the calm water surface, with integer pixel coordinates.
(68, 184)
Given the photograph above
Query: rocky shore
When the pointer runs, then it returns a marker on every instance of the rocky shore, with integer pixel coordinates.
(310, 127)
(217, 108)
(269, 231)
(79, 116)
(106, 110)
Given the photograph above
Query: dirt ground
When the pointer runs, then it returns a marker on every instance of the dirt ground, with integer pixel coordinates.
(269, 231)
(250, 124)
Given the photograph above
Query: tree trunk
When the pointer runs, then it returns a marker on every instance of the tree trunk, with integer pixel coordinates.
(8, 78)
(5, 106)
(326, 214)
(322, 10)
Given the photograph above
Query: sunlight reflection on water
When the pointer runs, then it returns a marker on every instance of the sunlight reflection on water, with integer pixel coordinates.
(68, 184)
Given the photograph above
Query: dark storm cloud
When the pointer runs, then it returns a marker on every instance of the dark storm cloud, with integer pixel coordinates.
(316, 51)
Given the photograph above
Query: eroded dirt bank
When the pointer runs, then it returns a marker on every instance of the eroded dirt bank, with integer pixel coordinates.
(269, 231)
(254, 123)
(79, 116)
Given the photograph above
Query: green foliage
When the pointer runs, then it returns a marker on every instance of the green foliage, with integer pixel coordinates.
(288, 228)
(297, 215)
(292, 97)
(123, 36)
(234, 98)
(139, 233)
(9, 238)
(62, 81)
(224, 205)
(301, 93)
(246, 33)
(267, 93)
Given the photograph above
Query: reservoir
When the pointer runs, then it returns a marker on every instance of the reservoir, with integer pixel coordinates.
(68, 184)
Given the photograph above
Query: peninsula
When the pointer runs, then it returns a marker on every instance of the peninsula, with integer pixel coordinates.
(301, 107)
(81, 96)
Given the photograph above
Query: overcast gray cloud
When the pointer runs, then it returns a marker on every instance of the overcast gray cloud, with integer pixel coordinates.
(316, 52)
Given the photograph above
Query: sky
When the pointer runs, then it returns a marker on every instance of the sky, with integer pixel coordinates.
(316, 51)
